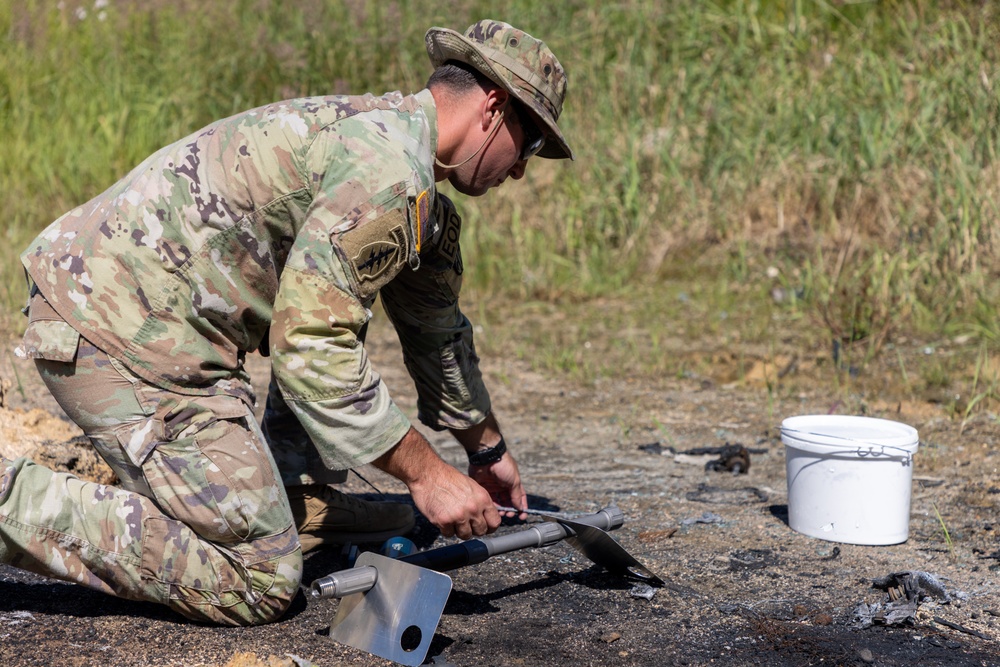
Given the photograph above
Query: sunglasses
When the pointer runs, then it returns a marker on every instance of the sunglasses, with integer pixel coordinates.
(534, 139)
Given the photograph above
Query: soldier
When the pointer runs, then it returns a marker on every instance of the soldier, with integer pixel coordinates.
(274, 229)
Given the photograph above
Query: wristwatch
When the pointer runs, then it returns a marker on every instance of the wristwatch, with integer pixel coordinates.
(487, 456)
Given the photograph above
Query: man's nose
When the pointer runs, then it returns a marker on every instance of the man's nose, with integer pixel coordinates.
(517, 171)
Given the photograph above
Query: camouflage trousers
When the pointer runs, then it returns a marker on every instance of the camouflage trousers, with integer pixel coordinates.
(200, 521)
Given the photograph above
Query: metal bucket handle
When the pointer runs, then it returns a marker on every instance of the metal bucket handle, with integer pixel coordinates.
(908, 455)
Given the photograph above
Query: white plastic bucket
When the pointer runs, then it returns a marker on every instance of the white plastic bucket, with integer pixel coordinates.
(849, 477)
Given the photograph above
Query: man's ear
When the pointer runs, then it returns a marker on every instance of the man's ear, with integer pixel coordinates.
(496, 100)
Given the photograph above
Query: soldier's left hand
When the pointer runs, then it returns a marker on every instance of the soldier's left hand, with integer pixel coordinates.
(503, 482)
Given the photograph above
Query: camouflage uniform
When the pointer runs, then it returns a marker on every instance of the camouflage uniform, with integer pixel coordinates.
(273, 229)
(276, 226)
(197, 521)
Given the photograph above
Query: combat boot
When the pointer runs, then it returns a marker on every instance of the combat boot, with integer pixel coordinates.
(324, 515)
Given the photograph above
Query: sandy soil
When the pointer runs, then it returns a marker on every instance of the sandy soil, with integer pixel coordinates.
(742, 587)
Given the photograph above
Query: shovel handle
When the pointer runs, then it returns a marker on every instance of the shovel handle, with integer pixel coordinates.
(470, 552)
(475, 551)
(344, 583)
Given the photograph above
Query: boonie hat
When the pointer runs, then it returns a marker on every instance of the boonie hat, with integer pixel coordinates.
(524, 66)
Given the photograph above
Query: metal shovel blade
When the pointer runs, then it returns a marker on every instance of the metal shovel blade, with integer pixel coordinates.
(602, 549)
(397, 617)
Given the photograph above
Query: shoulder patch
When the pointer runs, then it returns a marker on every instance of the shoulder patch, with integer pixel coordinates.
(423, 213)
(377, 250)
(451, 230)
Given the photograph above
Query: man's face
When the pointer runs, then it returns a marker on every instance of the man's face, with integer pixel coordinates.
(503, 155)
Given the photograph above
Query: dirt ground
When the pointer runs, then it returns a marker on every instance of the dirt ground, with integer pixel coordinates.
(742, 587)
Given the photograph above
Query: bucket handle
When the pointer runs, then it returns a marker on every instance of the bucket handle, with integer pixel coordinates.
(871, 452)
(908, 455)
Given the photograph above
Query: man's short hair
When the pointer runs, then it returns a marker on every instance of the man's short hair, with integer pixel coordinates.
(460, 77)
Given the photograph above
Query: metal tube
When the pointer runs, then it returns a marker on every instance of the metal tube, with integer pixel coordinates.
(609, 518)
(470, 552)
(343, 583)
(450, 557)
(539, 535)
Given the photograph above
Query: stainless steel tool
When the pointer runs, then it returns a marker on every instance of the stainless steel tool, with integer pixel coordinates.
(391, 607)
(601, 548)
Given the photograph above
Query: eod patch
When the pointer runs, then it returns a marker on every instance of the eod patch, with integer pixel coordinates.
(451, 231)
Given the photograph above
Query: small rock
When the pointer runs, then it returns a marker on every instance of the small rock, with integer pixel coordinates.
(822, 619)
(866, 656)
(656, 535)
(610, 637)
(644, 591)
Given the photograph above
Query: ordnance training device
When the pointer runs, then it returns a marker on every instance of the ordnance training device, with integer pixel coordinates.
(391, 607)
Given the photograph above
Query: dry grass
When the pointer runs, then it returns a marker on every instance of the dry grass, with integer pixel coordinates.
(843, 154)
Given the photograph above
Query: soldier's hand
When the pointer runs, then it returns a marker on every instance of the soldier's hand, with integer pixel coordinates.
(502, 481)
(500, 478)
(453, 502)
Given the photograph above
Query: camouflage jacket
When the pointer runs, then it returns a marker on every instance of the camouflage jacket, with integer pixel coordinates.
(279, 224)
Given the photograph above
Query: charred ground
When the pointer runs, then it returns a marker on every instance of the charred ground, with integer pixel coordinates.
(742, 587)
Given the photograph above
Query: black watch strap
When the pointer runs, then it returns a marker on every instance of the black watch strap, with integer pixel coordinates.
(488, 456)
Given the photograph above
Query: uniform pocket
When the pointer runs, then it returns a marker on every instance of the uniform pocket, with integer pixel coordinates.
(206, 465)
(242, 481)
(48, 336)
(137, 439)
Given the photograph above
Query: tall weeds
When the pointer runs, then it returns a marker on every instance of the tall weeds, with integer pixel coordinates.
(851, 145)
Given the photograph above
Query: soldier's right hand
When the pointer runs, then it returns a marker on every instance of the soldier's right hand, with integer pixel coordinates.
(456, 504)
(452, 501)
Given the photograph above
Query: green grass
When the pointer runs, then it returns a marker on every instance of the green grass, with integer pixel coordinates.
(843, 151)
(944, 530)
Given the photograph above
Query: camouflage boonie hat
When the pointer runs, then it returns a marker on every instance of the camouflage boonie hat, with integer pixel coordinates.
(518, 62)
